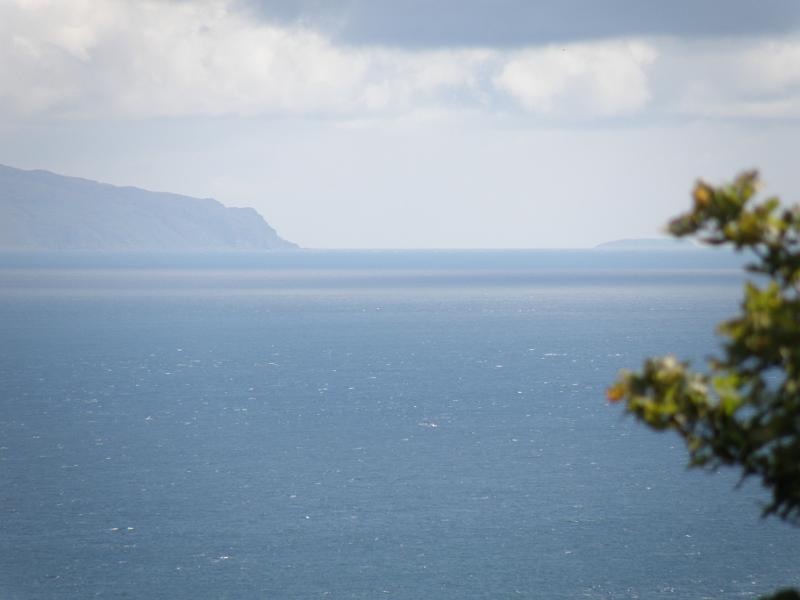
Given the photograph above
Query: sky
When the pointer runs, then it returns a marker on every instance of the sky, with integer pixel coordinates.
(410, 123)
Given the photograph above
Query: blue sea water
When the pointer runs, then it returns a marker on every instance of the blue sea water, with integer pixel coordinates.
(362, 426)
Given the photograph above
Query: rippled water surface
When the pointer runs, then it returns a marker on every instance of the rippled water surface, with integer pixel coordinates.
(343, 429)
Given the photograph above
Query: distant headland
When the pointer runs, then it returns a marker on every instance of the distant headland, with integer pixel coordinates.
(40, 210)
(648, 244)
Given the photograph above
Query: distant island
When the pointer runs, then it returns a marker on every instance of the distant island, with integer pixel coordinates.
(648, 244)
(40, 210)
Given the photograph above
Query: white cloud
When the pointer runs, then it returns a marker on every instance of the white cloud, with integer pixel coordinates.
(603, 78)
(152, 58)
(773, 65)
(741, 78)
(148, 58)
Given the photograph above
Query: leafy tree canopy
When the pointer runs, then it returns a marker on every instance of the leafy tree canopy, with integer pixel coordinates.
(744, 409)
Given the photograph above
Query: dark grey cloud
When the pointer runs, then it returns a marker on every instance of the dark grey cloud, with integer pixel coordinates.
(507, 23)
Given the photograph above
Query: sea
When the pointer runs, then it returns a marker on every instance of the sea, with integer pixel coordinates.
(415, 425)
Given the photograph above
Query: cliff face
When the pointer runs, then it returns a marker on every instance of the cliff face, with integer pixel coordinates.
(42, 210)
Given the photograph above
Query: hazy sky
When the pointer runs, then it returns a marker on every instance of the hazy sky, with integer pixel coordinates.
(410, 124)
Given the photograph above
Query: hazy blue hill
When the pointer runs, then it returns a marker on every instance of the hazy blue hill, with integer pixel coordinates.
(40, 210)
(648, 244)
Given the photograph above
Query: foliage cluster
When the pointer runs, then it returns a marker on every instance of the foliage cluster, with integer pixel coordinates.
(744, 409)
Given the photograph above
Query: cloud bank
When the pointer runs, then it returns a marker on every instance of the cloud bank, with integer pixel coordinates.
(152, 58)
(603, 78)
